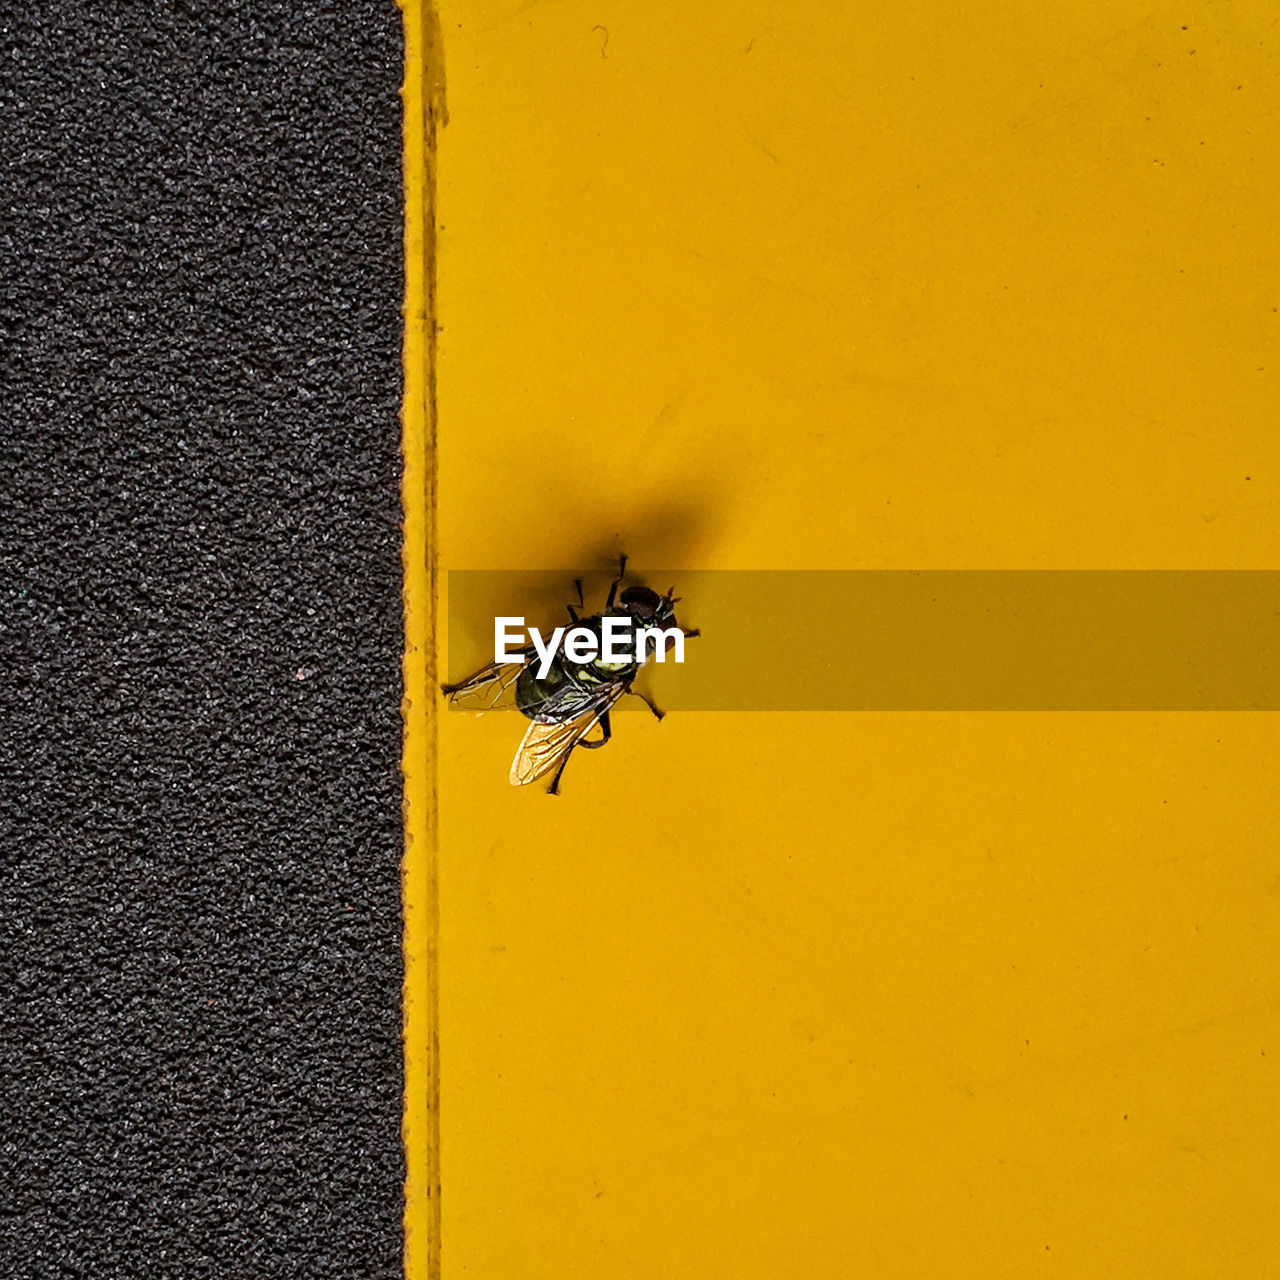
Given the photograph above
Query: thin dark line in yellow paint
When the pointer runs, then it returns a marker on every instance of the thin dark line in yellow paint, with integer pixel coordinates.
(422, 95)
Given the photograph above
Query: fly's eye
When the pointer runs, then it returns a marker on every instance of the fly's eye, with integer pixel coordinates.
(642, 596)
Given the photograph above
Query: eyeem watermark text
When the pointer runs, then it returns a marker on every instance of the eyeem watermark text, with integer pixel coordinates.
(621, 642)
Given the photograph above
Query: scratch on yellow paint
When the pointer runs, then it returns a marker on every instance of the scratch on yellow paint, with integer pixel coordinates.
(423, 98)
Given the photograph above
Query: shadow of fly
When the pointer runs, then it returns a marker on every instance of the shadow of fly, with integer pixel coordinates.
(566, 698)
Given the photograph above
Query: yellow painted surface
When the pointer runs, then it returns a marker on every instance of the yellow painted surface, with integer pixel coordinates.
(816, 285)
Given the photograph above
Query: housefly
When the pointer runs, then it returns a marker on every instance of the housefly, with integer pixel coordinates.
(572, 698)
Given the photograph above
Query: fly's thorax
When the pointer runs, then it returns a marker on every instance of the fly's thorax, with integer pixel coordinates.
(604, 669)
(598, 671)
(627, 657)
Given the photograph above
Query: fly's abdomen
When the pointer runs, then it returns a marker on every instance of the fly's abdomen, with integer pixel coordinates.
(534, 695)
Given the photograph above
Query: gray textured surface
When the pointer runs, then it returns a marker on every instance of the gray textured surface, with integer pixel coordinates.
(199, 647)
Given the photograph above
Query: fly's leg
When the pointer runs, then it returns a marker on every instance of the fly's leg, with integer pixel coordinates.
(554, 788)
(689, 634)
(648, 702)
(606, 730)
(617, 582)
(573, 613)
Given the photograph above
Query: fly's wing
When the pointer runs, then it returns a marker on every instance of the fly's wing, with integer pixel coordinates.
(485, 689)
(545, 745)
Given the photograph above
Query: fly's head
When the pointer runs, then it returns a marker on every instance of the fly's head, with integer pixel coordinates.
(648, 608)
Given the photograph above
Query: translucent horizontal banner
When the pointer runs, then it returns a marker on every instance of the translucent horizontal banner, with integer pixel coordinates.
(935, 640)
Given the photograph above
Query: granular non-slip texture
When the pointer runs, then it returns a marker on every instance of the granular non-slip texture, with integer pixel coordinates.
(200, 637)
